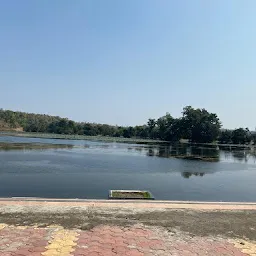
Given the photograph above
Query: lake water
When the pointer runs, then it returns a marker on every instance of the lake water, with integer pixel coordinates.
(90, 169)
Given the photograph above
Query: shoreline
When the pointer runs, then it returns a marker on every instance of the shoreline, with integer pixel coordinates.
(117, 139)
(167, 204)
(82, 137)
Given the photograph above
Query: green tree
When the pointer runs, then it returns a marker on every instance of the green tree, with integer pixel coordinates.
(199, 125)
(141, 131)
(253, 137)
(128, 132)
(151, 126)
(241, 136)
(164, 125)
(225, 137)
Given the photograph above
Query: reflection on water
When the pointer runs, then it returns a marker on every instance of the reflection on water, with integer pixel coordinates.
(186, 175)
(244, 156)
(208, 154)
(32, 146)
(181, 151)
(88, 169)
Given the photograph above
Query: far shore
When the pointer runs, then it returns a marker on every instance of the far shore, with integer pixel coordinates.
(81, 137)
(115, 139)
(31, 146)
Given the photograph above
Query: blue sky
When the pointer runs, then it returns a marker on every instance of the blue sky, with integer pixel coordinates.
(122, 62)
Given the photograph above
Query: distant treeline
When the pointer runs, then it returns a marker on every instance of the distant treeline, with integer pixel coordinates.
(195, 125)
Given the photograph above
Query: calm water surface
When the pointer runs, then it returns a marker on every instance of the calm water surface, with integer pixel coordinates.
(90, 169)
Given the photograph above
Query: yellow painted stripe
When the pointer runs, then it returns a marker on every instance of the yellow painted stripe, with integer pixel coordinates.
(2, 226)
(62, 242)
(248, 247)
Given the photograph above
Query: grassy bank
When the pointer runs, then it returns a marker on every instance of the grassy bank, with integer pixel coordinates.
(81, 137)
(31, 146)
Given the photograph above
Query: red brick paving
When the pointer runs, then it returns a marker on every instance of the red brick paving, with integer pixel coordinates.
(20, 242)
(113, 240)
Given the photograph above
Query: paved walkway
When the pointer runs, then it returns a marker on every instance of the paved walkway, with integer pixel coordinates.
(113, 240)
(128, 239)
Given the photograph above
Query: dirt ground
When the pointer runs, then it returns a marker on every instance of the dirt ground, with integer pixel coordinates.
(197, 221)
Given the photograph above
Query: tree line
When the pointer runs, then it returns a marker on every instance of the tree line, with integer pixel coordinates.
(195, 125)
(237, 136)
